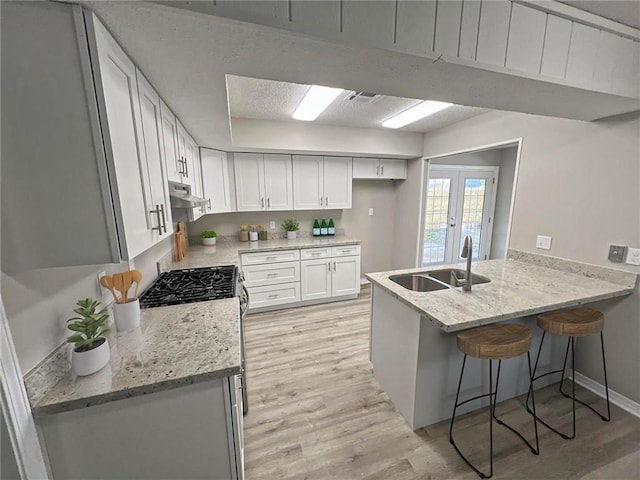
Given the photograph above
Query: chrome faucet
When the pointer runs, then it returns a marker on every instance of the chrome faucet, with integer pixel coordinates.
(467, 252)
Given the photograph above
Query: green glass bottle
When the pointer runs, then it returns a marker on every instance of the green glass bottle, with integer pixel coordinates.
(331, 228)
(316, 228)
(323, 227)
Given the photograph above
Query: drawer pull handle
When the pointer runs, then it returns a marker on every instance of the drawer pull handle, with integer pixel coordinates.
(315, 254)
(275, 295)
(271, 275)
(271, 258)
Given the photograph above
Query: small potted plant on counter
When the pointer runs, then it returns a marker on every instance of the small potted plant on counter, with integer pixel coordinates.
(91, 349)
(291, 226)
(208, 237)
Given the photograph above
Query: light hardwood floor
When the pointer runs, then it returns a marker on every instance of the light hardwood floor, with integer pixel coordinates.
(316, 412)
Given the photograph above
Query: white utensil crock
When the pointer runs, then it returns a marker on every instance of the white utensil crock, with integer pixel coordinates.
(126, 315)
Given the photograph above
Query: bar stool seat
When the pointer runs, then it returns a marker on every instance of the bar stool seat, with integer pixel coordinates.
(493, 342)
(572, 323)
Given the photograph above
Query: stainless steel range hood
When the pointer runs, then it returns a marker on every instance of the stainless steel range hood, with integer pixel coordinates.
(181, 196)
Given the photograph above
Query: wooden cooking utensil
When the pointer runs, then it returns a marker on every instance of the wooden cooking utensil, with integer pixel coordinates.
(119, 285)
(107, 282)
(126, 278)
(136, 276)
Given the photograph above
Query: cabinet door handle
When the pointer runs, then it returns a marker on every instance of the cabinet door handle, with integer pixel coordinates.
(268, 202)
(157, 212)
(326, 201)
(262, 203)
(329, 265)
(209, 204)
(378, 170)
(320, 201)
(186, 168)
(335, 266)
(164, 218)
(382, 170)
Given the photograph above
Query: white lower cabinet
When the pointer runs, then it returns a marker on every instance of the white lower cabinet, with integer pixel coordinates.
(315, 278)
(297, 276)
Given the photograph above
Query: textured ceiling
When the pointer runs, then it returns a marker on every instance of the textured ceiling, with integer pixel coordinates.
(626, 12)
(270, 100)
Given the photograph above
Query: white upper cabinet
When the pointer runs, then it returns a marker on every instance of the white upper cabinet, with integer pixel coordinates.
(153, 151)
(263, 182)
(308, 182)
(215, 180)
(278, 183)
(379, 168)
(185, 155)
(249, 181)
(338, 173)
(322, 182)
(119, 107)
(170, 143)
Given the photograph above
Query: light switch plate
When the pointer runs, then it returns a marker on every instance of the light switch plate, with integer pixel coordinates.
(633, 256)
(371, 212)
(272, 225)
(616, 253)
(543, 242)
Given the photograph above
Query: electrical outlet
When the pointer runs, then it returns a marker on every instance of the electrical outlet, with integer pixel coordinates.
(616, 253)
(272, 225)
(371, 212)
(543, 242)
(101, 290)
(633, 256)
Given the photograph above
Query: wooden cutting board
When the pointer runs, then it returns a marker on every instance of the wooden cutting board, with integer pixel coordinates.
(181, 242)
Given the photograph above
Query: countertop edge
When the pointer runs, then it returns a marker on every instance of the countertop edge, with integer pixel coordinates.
(66, 406)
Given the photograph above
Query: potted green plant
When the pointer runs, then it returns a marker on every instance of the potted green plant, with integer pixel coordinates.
(91, 349)
(208, 237)
(291, 226)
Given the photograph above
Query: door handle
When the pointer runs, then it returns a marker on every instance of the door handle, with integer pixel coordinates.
(382, 170)
(262, 203)
(326, 201)
(164, 218)
(268, 202)
(157, 212)
(209, 204)
(378, 171)
(329, 265)
(186, 168)
(320, 201)
(335, 267)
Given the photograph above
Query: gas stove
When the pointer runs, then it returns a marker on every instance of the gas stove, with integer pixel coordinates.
(191, 285)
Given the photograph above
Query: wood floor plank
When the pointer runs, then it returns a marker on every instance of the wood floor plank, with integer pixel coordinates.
(317, 413)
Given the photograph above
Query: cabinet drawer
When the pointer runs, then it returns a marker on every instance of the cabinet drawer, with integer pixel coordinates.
(271, 274)
(311, 253)
(345, 250)
(269, 257)
(274, 295)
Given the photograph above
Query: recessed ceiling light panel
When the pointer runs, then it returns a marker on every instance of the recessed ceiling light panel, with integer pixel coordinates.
(315, 101)
(415, 113)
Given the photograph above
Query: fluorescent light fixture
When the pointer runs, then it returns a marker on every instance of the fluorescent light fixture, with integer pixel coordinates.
(415, 113)
(315, 101)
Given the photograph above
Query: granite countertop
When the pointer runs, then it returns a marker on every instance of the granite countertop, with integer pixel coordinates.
(519, 287)
(227, 252)
(174, 346)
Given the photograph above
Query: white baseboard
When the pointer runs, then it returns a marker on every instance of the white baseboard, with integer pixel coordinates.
(614, 397)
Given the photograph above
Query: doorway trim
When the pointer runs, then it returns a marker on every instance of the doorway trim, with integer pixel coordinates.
(425, 175)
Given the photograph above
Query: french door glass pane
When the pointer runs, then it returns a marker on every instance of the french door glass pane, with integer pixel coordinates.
(436, 218)
(473, 206)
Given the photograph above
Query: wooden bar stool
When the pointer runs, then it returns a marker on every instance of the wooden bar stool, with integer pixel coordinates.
(494, 342)
(572, 322)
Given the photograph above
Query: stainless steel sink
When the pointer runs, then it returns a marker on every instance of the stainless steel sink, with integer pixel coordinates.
(451, 276)
(418, 283)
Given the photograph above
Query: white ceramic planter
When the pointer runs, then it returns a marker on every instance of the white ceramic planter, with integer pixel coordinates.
(208, 241)
(126, 315)
(291, 235)
(86, 363)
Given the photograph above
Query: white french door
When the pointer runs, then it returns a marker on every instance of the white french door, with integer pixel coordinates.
(459, 201)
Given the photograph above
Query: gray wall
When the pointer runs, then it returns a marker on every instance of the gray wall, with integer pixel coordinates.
(578, 182)
(376, 232)
(8, 464)
(38, 302)
(505, 158)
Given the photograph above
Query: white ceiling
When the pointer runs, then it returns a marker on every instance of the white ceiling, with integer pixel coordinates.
(626, 12)
(271, 100)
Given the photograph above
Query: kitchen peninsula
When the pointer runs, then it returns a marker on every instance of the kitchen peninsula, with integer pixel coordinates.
(412, 349)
